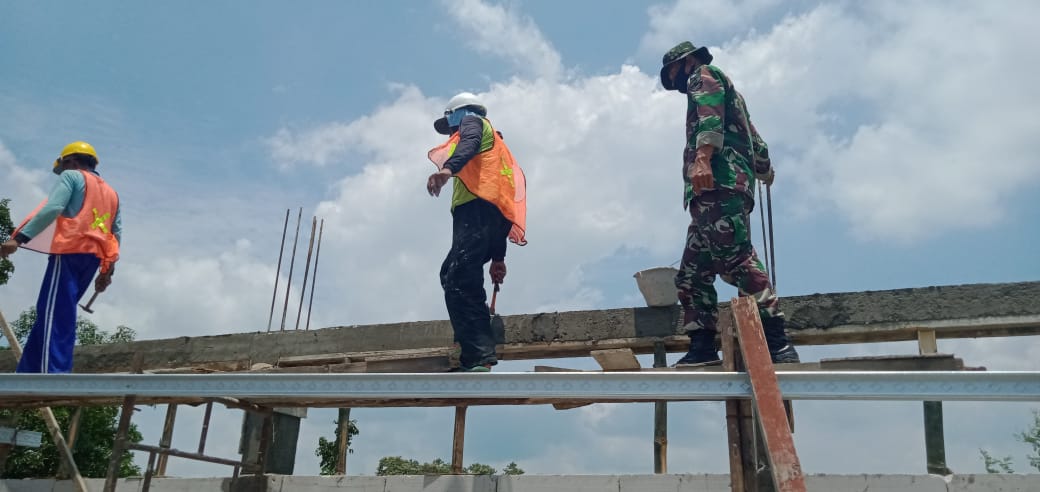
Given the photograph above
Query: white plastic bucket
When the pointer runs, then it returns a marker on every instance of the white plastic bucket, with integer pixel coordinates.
(657, 286)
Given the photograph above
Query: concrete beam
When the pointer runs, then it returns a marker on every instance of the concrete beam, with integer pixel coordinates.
(857, 317)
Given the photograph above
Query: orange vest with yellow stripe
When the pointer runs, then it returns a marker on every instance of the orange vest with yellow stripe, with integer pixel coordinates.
(494, 176)
(88, 231)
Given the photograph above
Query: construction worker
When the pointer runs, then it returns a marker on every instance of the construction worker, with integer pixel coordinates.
(78, 225)
(488, 205)
(724, 155)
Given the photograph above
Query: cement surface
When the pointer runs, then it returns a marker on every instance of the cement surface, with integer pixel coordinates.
(818, 318)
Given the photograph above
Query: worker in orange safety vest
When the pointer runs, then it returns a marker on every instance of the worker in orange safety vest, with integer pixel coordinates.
(488, 206)
(79, 226)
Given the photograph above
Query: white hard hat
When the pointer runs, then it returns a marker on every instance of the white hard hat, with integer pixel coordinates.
(461, 100)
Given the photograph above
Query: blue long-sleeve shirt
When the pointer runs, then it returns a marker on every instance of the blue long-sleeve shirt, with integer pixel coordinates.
(65, 198)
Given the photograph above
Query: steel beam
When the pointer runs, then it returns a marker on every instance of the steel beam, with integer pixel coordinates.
(845, 385)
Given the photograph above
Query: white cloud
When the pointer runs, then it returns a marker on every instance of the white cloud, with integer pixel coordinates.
(497, 30)
(698, 21)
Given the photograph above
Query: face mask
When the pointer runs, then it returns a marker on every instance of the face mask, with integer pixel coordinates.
(681, 81)
(455, 117)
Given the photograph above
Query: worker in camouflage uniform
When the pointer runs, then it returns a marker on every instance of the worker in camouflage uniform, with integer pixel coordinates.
(724, 155)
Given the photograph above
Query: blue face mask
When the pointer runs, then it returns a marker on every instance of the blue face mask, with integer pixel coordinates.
(455, 117)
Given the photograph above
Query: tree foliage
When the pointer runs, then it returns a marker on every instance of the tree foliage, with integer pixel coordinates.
(6, 228)
(1030, 436)
(396, 465)
(97, 425)
(328, 450)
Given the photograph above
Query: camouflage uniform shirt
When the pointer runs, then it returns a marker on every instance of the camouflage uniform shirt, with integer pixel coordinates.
(716, 115)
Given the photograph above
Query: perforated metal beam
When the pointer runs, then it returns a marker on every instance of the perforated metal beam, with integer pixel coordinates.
(932, 386)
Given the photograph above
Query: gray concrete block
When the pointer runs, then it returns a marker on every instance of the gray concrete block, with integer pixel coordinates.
(703, 483)
(459, 483)
(553, 483)
(30, 485)
(875, 483)
(995, 482)
(649, 483)
(330, 484)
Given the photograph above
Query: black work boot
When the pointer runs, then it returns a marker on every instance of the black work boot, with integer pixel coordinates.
(702, 349)
(780, 350)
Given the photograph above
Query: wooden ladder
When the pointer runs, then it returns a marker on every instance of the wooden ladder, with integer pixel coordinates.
(766, 407)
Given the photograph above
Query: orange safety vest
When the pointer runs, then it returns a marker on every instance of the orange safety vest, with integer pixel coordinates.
(87, 232)
(494, 176)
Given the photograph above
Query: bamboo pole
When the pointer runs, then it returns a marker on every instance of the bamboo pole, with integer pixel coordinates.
(48, 416)
(660, 417)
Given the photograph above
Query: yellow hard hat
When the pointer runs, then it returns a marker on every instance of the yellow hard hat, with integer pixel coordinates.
(78, 147)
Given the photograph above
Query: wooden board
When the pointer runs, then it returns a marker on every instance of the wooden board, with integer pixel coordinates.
(616, 359)
(768, 401)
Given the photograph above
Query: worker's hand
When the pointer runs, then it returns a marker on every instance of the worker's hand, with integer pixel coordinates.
(437, 180)
(9, 246)
(768, 177)
(102, 282)
(700, 172)
(497, 272)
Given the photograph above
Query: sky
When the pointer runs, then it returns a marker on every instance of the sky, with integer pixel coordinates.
(901, 133)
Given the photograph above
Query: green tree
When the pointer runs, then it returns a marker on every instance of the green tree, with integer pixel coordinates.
(396, 465)
(1030, 436)
(97, 425)
(328, 450)
(6, 228)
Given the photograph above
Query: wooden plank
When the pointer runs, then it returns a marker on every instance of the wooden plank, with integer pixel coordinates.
(311, 360)
(934, 362)
(768, 401)
(856, 317)
(616, 359)
(20, 437)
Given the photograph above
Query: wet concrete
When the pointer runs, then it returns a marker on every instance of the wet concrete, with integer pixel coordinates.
(868, 314)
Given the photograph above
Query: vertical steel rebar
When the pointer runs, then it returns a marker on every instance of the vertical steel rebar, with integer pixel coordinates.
(772, 244)
(765, 238)
(314, 279)
(306, 270)
(278, 270)
(292, 263)
(205, 427)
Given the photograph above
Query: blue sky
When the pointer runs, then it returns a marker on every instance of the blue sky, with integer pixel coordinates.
(901, 135)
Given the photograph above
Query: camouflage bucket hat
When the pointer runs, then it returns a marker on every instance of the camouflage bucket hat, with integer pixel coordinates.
(680, 51)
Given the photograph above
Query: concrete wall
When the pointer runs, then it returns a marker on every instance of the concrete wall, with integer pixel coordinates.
(546, 483)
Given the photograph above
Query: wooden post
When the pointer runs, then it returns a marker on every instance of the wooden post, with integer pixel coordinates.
(735, 426)
(119, 445)
(768, 401)
(934, 441)
(70, 438)
(660, 417)
(205, 427)
(167, 437)
(343, 432)
(47, 414)
(459, 442)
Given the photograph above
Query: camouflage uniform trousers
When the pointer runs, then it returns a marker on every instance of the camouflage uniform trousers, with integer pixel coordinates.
(718, 242)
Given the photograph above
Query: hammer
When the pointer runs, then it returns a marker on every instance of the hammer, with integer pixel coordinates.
(89, 303)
